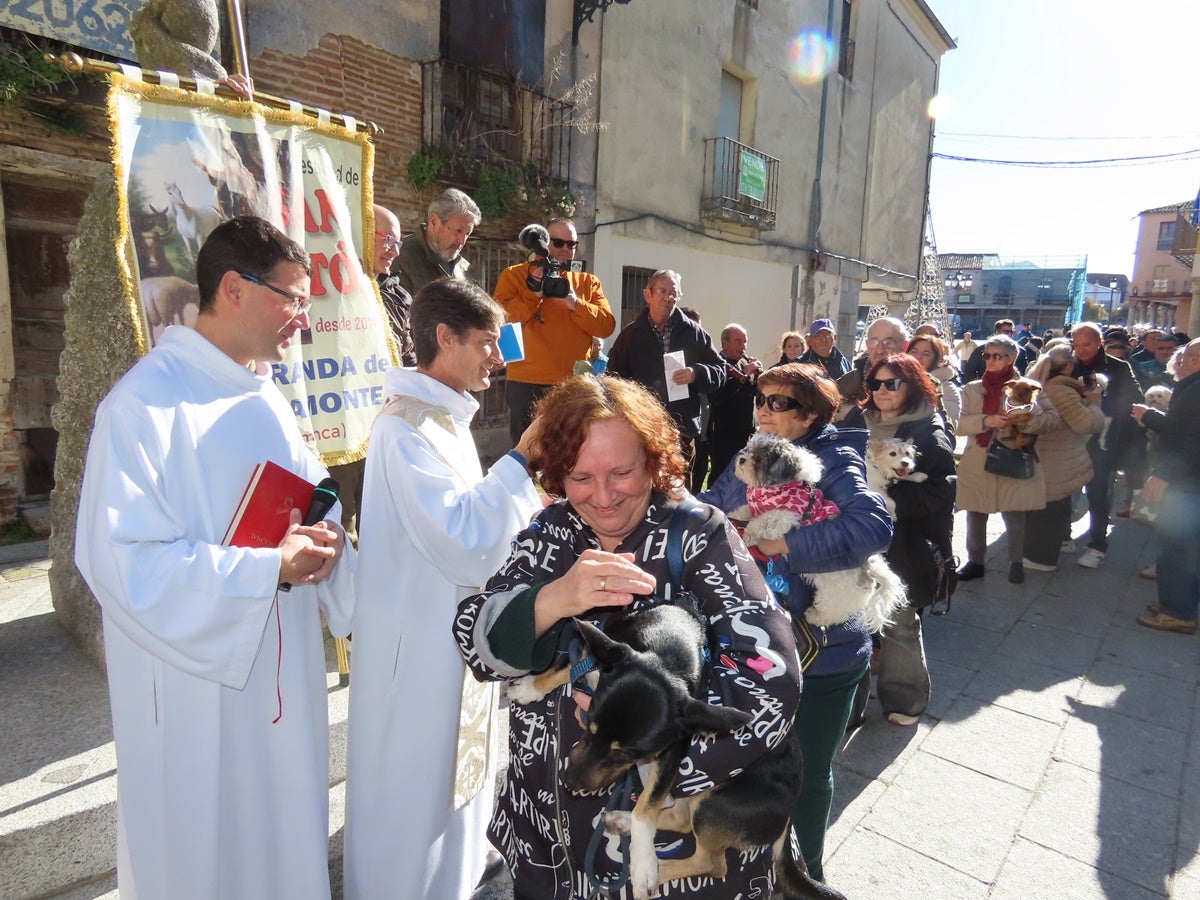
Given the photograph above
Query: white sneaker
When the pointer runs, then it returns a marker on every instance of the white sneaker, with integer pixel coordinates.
(1068, 546)
(1093, 559)
(1037, 566)
(902, 719)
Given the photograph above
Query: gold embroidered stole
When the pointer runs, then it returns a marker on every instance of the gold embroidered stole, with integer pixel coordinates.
(478, 712)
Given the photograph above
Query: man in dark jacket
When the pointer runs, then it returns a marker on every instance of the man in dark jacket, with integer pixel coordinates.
(1108, 449)
(1175, 485)
(731, 406)
(822, 349)
(646, 349)
(434, 250)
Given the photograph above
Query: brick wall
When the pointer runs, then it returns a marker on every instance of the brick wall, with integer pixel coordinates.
(344, 74)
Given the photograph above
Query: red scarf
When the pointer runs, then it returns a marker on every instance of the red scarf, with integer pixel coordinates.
(796, 496)
(993, 394)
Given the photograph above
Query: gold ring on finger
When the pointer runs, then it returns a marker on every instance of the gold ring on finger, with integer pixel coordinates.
(603, 582)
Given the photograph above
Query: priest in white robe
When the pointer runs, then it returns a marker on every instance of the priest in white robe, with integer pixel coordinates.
(217, 680)
(422, 744)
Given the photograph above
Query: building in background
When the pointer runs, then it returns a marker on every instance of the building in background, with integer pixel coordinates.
(1161, 293)
(774, 154)
(983, 287)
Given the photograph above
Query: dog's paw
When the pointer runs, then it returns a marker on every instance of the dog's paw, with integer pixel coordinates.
(643, 867)
(821, 616)
(524, 690)
(616, 822)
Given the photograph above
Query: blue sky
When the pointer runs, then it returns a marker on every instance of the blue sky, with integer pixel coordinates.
(1063, 80)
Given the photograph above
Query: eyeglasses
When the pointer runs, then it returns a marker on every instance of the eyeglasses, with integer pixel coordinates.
(559, 243)
(887, 342)
(666, 292)
(885, 384)
(777, 403)
(299, 305)
(996, 356)
(390, 241)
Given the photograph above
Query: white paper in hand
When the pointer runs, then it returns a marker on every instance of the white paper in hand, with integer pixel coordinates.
(672, 363)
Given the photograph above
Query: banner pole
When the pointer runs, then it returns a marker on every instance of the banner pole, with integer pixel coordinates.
(241, 58)
(74, 63)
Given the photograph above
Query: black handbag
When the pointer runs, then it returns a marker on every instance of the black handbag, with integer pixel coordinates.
(1009, 463)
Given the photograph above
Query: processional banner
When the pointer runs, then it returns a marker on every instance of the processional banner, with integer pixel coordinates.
(185, 162)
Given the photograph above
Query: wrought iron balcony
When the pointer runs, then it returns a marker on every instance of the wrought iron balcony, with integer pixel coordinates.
(475, 116)
(1185, 244)
(740, 183)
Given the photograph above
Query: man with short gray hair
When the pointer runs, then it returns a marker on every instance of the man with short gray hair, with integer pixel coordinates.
(434, 250)
(885, 337)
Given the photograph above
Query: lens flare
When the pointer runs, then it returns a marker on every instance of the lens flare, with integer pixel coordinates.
(940, 106)
(813, 55)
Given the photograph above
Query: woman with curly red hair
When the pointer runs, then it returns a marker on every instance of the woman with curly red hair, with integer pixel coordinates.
(610, 452)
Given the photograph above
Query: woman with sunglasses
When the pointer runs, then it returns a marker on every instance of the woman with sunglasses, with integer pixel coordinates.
(902, 402)
(980, 492)
(797, 402)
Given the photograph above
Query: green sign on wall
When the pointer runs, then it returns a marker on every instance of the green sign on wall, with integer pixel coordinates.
(752, 176)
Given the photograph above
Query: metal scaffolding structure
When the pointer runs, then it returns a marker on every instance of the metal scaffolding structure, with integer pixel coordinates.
(929, 304)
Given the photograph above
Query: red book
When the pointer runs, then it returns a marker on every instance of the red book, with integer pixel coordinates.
(264, 513)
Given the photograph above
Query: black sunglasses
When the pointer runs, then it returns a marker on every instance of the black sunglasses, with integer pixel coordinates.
(777, 403)
(560, 243)
(890, 384)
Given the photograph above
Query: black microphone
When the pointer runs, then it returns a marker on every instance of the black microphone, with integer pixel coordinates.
(324, 496)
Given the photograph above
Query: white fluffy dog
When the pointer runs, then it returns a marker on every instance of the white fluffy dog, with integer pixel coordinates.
(1158, 397)
(781, 494)
(890, 460)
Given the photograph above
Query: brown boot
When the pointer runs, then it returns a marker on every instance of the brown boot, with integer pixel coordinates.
(1163, 622)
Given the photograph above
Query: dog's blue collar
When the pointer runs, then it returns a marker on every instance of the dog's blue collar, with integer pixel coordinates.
(579, 670)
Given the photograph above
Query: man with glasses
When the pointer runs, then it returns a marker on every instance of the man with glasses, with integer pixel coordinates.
(557, 330)
(641, 352)
(216, 680)
(434, 250)
(885, 337)
(397, 302)
(972, 369)
(822, 349)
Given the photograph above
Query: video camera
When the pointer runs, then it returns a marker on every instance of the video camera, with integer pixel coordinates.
(536, 240)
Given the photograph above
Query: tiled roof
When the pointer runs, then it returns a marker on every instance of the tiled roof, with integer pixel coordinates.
(1184, 206)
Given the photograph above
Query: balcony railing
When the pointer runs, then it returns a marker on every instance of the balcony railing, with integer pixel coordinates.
(1184, 247)
(472, 115)
(740, 183)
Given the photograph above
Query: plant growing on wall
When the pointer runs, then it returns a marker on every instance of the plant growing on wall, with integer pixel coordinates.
(29, 83)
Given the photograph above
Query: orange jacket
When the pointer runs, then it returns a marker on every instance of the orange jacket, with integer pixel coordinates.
(562, 335)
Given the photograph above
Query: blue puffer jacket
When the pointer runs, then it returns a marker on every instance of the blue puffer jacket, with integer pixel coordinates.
(843, 542)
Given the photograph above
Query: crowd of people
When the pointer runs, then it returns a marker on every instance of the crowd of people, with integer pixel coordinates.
(622, 491)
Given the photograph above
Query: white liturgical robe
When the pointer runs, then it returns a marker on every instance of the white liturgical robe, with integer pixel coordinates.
(215, 798)
(434, 528)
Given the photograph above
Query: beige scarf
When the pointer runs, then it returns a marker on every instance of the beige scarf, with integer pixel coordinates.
(478, 711)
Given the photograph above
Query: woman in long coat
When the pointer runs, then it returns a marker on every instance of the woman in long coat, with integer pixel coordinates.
(980, 492)
(1063, 452)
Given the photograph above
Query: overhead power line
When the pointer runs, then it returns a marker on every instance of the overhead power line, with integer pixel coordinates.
(1077, 163)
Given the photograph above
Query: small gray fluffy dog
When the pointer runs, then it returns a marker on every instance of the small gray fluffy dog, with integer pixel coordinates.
(781, 494)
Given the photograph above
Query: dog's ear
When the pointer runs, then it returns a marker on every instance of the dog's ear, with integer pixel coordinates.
(607, 651)
(698, 716)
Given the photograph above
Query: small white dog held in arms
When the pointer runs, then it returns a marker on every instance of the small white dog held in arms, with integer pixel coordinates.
(781, 494)
(890, 460)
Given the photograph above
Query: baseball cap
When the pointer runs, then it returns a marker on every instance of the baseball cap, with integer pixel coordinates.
(821, 325)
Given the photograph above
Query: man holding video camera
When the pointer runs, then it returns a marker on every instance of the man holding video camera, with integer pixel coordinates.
(559, 311)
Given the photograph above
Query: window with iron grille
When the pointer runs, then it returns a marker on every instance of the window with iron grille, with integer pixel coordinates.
(634, 281)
